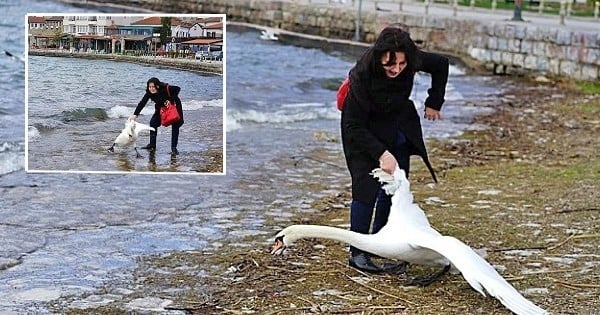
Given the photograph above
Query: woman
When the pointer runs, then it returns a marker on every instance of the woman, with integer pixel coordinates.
(157, 91)
(381, 127)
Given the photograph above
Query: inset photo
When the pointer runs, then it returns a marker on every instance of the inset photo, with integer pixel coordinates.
(125, 93)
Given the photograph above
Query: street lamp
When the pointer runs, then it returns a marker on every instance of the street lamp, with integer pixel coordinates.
(517, 11)
(357, 28)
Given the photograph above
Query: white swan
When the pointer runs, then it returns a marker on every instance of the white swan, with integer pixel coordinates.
(408, 237)
(129, 135)
(268, 34)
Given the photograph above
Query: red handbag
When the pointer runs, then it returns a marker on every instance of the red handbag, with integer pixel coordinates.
(168, 113)
(342, 93)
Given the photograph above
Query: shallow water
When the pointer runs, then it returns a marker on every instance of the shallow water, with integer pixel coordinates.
(67, 234)
(73, 119)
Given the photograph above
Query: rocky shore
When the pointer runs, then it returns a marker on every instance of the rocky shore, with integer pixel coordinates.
(526, 189)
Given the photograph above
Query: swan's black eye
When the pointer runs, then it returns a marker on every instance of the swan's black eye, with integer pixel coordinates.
(279, 238)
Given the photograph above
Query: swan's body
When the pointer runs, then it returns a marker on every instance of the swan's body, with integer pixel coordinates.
(408, 237)
(268, 34)
(129, 135)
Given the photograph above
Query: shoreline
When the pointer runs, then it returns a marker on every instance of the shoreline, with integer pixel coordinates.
(204, 67)
(347, 47)
(510, 185)
(502, 192)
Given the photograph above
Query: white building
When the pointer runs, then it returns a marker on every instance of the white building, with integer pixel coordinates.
(93, 25)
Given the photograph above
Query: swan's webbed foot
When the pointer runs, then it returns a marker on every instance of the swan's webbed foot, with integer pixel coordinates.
(112, 148)
(396, 268)
(425, 281)
(137, 154)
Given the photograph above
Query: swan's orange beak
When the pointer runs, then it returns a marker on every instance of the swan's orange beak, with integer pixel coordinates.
(278, 247)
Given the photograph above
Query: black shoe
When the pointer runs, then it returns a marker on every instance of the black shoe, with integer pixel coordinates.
(396, 267)
(363, 262)
(174, 151)
(149, 147)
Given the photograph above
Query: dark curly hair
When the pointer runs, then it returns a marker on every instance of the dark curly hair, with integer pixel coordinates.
(392, 39)
(159, 85)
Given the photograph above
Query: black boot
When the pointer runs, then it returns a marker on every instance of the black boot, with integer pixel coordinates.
(174, 139)
(152, 145)
(362, 261)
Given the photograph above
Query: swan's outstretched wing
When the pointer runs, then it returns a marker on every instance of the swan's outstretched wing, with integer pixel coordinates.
(478, 272)
(418, 233)
(140, 127)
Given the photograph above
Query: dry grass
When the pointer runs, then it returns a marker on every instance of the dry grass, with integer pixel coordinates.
(527, 190)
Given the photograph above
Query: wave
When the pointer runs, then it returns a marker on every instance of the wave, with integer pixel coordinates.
(331, 84)
(288, 113)
(196, 105)
(422, 84)
(45, 125)
(456, 71)
(11, 157)
(84, 114)
(120, 111)
(33, 134)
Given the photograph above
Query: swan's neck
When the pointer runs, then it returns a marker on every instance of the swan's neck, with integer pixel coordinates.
(358, 240)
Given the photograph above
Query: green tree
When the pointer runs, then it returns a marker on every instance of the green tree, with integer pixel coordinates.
(165, 31)
(57, 37)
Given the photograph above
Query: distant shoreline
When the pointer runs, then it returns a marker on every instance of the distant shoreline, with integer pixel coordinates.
(206, 67)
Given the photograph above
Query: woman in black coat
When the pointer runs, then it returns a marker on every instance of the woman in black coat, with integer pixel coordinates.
(381, 127)
(157, 92)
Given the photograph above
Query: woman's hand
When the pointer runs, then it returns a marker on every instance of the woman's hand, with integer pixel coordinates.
(432, 114)
(132, 117)
(387, 162)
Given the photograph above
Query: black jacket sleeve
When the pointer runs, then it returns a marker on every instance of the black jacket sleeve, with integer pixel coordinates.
(142, 103)
(438, 66)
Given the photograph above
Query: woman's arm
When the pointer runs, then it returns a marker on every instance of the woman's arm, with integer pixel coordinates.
(141, 104)
(437, 66)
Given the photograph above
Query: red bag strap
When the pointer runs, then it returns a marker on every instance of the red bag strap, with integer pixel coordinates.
(167, 88)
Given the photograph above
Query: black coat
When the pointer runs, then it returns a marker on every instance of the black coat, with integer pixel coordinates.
(160, 98)
(375, 109)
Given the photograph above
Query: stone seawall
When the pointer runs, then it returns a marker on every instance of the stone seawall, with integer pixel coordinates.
(495, 44)
(214, 67)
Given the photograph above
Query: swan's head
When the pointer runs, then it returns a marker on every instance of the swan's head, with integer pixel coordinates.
(285, 238)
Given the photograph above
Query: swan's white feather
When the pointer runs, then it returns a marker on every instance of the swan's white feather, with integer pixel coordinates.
(409, 218)
(139, 127)
(408, 236)
(130, 133)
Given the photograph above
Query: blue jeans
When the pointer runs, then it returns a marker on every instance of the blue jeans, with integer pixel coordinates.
(155, 122)
(361, 213)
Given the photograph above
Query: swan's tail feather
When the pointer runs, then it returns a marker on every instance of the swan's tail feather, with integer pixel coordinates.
(141, 127)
